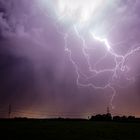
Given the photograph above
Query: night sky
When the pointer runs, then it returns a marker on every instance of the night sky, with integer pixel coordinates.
(69, 58)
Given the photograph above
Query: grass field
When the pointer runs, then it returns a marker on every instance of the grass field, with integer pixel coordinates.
(68, 130)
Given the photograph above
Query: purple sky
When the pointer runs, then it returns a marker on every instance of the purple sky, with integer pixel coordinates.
(45, 60)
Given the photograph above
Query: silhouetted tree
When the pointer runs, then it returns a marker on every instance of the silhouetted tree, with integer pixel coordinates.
(116, 118)
(104, 117)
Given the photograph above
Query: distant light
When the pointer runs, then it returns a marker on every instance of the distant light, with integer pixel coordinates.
(79, 10)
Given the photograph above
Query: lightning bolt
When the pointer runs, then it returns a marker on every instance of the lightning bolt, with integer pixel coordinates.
(87, 57)
(83, 79)
(119, 63)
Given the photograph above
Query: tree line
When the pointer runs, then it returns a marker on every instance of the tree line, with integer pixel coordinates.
(109, 117)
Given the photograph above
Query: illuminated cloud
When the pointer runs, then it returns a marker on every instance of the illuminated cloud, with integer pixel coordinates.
(81, 55)
(80, 10)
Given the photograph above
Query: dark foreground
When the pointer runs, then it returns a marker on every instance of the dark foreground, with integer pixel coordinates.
(68, 130)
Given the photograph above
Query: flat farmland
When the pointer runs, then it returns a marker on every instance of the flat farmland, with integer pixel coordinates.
(68, 130)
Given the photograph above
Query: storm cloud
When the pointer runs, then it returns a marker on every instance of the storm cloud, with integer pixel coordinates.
(36, 74)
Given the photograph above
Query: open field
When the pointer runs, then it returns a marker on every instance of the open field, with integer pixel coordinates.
(68, 130)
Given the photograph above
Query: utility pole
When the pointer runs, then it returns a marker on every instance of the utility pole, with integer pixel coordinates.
(9, 111)
(108, 110)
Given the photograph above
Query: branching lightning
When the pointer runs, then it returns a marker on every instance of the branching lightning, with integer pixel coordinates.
(119, 65)
(79, 13)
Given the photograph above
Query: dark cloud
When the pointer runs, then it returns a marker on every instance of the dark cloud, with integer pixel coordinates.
(36, 73)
